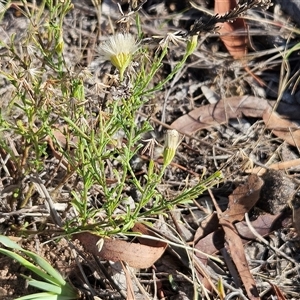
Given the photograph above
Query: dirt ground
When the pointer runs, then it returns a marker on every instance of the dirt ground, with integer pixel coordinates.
(236, 147)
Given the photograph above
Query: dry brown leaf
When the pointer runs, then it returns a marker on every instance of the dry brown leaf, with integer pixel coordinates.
(284, 165)
(264, 224)
(238, 256)
(208, 225)
(236, 107)
(210, 244)
(242, 199)
(141, 228)
(233, 34)
(283, 128)
(278, 292)
(214, 241)
(219, 113)
(136, 255)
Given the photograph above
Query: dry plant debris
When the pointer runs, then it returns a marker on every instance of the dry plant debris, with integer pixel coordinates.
(183, 249)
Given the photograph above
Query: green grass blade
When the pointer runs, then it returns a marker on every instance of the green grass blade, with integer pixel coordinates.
(44, 286)
(54, 277)
(9, 243)
(29, 265)
(44, 296)
(64, 290)
(46, 267)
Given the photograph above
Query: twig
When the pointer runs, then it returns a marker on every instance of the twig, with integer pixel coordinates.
(109, 278)
(186, 135)
(263, 240)
(49, 202)
(231, 295)
(74, 252)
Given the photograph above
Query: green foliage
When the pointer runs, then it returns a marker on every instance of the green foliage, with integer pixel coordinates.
(53, 283)
(49, 91)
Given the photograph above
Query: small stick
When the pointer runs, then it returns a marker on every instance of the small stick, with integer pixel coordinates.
(260, 238)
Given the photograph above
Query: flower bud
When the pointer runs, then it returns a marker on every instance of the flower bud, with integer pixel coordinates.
(192, 44)
(171, 144)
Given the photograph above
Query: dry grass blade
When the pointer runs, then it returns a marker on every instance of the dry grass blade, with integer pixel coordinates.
(130, 291)
(284, 165)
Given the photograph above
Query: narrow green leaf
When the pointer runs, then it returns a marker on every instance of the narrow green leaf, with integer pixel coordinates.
(56, 277)
(7, 242)
(46, 296)
(29, 265)
(65, 290)
(46, 266)
(45, 286)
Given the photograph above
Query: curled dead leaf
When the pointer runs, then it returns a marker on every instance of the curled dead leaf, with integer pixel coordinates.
(136, 255)
(283, 128)
(233, 34)
(237, 253)
(215, 114)
(243, 198)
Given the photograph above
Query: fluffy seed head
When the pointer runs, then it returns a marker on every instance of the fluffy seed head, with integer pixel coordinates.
(119, 49)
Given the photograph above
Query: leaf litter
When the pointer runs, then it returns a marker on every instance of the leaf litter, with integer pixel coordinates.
(280, 119)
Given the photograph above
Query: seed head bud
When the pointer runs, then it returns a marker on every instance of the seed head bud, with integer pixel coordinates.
(192, 44)
(60, 44)
(171, 144)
